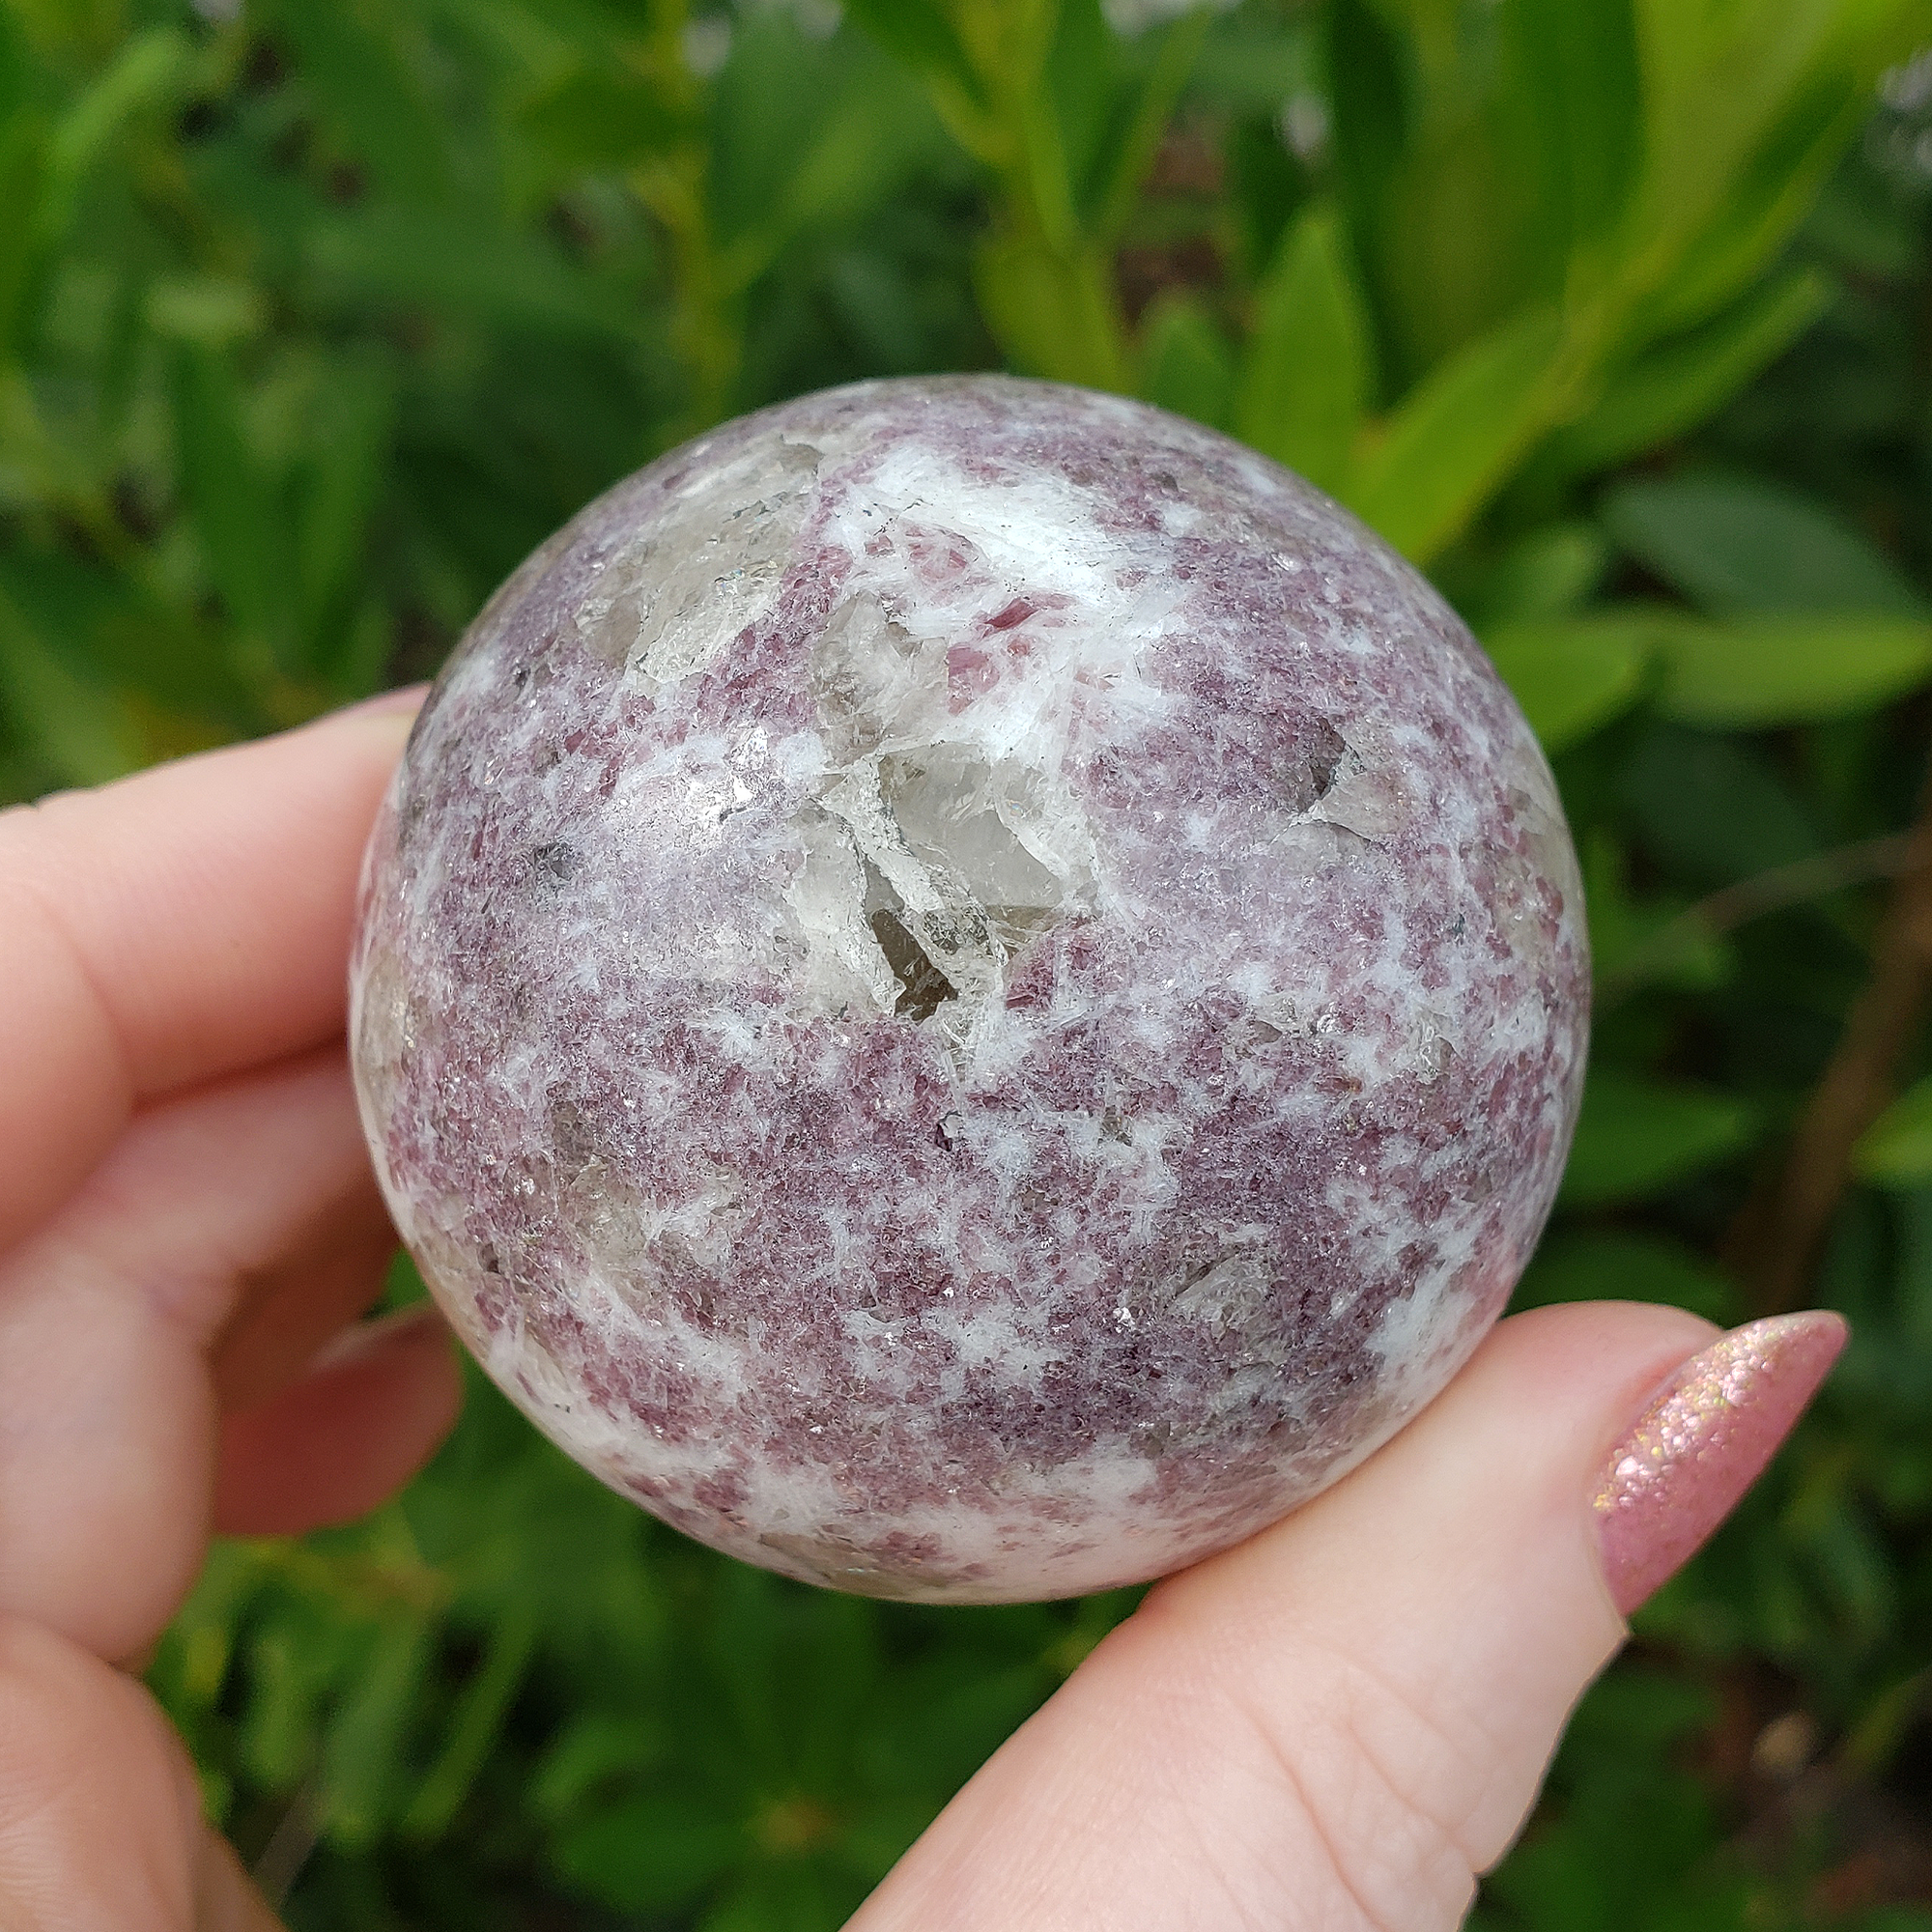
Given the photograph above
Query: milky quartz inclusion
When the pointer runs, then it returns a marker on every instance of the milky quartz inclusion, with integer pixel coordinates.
(969, 990)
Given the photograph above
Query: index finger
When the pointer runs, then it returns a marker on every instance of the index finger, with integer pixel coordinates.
(174, 928)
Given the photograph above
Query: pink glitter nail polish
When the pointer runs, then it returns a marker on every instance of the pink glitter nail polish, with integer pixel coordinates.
(1702, 1444)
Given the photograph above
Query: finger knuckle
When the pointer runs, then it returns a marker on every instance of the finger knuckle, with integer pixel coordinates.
(1387, 1790)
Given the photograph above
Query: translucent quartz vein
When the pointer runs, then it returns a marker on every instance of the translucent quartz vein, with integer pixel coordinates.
(968, 990)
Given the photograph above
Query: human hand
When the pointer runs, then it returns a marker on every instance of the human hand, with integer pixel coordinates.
(187, 1217)
(1336, 1725)
(1343, 1721)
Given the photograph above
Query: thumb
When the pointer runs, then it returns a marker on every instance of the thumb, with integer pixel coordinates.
(1343, 1722)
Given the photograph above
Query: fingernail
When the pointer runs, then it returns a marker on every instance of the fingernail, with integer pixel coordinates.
(406, 697)
(1702, 1444)
(362, 1339)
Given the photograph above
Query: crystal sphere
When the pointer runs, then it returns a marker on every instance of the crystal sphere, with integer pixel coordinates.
(969, 990)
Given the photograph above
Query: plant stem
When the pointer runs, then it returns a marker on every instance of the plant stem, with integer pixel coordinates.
(1776, 1239)
(706, 329)
(1735, 905)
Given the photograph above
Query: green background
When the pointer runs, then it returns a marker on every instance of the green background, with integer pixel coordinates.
(1614, 315)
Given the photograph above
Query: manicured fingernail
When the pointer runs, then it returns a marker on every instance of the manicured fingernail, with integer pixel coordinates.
(1702, 1444)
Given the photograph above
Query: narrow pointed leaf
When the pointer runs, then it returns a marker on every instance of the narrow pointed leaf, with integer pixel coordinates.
(1576, 99)
(1053, 314)
(1738, 545)
(1188, 366)
(1682, 383)
(148, 71)
(1795, 671)
(1453, 440)
(1571, 679)
(600, 117)
(1640, 1136)
(921, 34)
(1307, 378)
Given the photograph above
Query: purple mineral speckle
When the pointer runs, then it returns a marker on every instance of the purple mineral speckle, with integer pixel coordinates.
(968, 990)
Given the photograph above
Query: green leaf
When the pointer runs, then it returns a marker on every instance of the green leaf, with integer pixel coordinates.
(22, 175)
(474, 1727)
(1615, 1265)
(1857, 1574)
(80, 726)
(1571, 677)
(1270, 187)
(601, 118)
(372, 97)
(1572, 91)
(773, 101)
(1713, 809)
(1045, 204)
(650, 1854)
(1085, 93)
(920, 34)
(363, 1788)
(598, 1749)
(17, 70)
(1145, 114)
(1638, 1137)
(1053, 314)
(1251, 64)
(878, 306)
(1772, 191)
(1306, 378)
(296, 1652)
(146, 72)
(1188, 365)
(349, 448)
(1648, 941)
(170, 663)
(918, 31)
(1546, 573)
(1738, 545)
(244, 536)
(1714, 80)
(503, 278)
(1748, 105)
(1896, 1150)
(212, 311)
(871, 139)
(1455, 260)
(1754, 675)
(1676, 386)
(1790, 672)
(1369, 96)
(1453, 440)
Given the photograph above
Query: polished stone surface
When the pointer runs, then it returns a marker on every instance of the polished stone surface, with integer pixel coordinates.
(969, 991)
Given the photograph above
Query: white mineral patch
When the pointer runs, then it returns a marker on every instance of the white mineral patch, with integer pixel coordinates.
(962, 839)
(673, 596)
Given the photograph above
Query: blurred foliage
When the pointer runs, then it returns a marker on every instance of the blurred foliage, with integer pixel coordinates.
(1614, 314)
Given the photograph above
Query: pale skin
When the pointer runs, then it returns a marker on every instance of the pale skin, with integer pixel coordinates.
(1336, 1725)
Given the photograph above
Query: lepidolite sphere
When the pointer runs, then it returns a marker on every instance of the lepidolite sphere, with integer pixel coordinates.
(969, 990)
